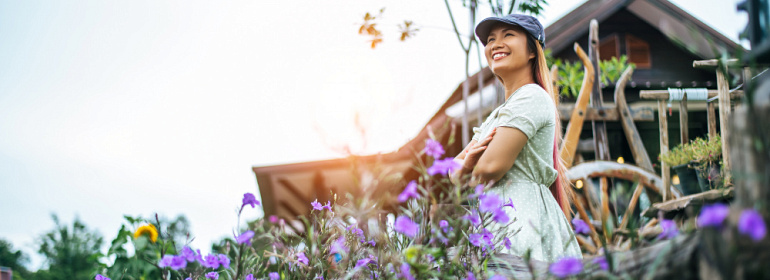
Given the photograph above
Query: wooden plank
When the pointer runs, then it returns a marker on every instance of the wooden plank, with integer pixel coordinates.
(608, 113)
(683, 127)
(681, 203)
(663, 128)
(631, 206)
(599, 127)
(575, 126)
(663, 94)
(708, 63)
(712, 119)
(635, 142)
(724, 114)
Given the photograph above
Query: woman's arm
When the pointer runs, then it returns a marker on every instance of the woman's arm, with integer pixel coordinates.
(500, 154)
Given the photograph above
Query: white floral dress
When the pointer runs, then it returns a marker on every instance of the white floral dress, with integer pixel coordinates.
(543, 227)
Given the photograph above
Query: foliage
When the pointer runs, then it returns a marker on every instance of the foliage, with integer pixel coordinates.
(70, 252)
(699, 149)
(571, 73)
(142, 264)
(14, 260)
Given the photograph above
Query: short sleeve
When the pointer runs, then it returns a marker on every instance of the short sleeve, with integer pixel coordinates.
(528, 111)
(476, 133)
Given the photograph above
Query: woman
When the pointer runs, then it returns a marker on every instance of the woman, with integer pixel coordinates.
(514, 150)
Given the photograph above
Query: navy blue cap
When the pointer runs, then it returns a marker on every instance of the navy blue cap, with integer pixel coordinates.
(528, 23)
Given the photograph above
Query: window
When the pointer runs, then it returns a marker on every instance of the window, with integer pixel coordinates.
(638, 52)
(609, 48)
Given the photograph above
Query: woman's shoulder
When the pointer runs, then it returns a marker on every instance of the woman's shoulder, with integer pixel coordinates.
(530, 93)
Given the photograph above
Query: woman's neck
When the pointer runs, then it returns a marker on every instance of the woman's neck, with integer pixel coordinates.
(515, 82)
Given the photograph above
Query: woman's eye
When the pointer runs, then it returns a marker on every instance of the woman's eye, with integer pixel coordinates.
(511, 34)
(490, 40)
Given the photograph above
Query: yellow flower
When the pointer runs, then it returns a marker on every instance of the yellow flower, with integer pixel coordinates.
(148, 229)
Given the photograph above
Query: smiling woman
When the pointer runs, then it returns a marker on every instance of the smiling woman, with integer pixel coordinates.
(514, 150)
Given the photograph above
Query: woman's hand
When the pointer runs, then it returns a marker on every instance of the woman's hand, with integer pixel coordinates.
(473, 154)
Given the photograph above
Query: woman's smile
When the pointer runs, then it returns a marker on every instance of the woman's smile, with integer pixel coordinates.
(499, 55)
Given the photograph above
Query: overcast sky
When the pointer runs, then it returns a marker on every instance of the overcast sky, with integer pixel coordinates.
(136, 107)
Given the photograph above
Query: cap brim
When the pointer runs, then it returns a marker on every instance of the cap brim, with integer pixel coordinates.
(485, 26)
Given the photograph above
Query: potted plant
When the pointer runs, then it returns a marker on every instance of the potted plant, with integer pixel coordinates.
(679, 159)
(707, 162)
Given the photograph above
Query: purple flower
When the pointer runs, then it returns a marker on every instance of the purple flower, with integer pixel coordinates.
(470, 276)
(328, 206)
(166, 261)
(249, 277)
(473, 218)
(406, 226)
(669, 229)
(500, 216)
(602, 262)
(507, 243)
(510, 203)
(249, 199)
(483, 239)
(224, 261)
(273, 219)
(358, 232)
(188, 254)
(274, 276)
(498, 277)
(580, 226)
(102, 277)
(409, 192)
(178, 262)
(301, 258)
(212, 275)
(338, 246)
(364, 262)
(371, 242)
(713, 215)
(245, 237)
(566, 267)
(443, 166)
(211, 261)
(752, 224)
(405, 273)
(433, 148)
(443, 223)
(489, 202)
(316, 205)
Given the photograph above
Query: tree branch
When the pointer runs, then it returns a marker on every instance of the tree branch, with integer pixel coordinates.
(454, 25)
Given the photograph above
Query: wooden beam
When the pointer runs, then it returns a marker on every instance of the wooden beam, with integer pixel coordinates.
(663, 128)
(635, 142)
(575, 126)
(683, 127)
(724, 114)
(681, 203)
(599, 127)
(663, 94)
(712, 120)
(710, 63)
(608, 113)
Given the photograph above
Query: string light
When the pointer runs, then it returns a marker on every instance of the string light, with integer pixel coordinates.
(579, 184)
(621, 160)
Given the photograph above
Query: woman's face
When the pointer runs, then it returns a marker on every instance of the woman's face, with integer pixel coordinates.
(506, 49)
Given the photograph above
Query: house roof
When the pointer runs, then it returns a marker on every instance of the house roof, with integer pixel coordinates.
(676, 24)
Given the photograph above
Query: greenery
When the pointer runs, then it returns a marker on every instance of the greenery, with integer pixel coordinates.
(15, 260)
(699, 150)
(571, 73)
(70, 252)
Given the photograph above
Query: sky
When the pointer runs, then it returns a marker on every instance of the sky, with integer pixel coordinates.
(112, 108)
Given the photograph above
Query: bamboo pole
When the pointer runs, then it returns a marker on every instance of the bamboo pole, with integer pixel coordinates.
(724, 114)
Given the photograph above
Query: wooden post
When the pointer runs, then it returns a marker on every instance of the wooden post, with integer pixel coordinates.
(683, 127)
(724, 114)
(599, 127)
(712, 119)
(664, 168)
(641, 157)
(575, 125)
